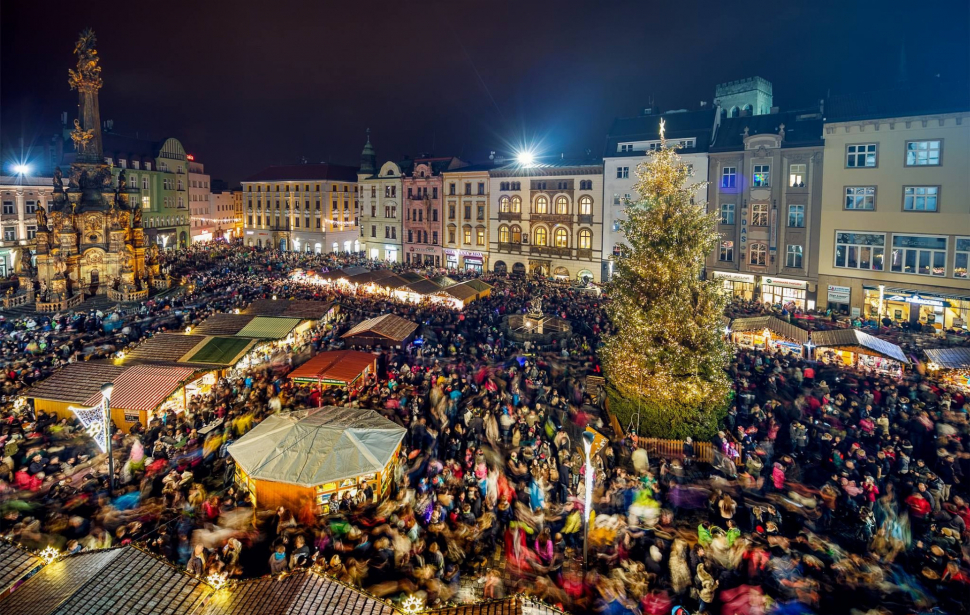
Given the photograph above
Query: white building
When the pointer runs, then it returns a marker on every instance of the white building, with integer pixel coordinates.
(381, 213)
(628, 144)
(19, 197)
(201, 221)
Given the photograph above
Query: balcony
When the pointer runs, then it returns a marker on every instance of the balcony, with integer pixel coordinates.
(509, 215)
(550, 251)
(509, 247)
(585, 218)
(553, 218)
(584, 253)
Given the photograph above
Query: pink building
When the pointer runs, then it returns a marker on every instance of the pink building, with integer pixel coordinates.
(423, 188)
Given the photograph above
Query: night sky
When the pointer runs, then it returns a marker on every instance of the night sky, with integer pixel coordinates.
(248, 84)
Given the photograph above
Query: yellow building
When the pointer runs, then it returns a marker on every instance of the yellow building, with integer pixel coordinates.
(895, 225)
(466, 214)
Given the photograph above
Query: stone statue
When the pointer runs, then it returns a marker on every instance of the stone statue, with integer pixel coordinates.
(60, 265)
(122, 181)
(151, 254)
(81, 137)
(136, 218)
(41, 218)
(536, 308)
(58, 180)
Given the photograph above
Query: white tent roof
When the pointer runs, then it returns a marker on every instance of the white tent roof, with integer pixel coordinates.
(317, 446)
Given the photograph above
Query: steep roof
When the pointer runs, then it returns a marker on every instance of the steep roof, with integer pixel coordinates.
(803, 132)
(390, 326)
(950, 358)
(15, 564)
(905, 101)
(305, 172)
(836, 338)
(773, 324)
(76, 382)
(696, 124)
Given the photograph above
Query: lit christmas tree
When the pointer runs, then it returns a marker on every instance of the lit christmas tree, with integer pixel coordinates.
(666, 359)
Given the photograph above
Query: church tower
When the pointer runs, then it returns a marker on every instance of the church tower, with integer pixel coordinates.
(368, 159)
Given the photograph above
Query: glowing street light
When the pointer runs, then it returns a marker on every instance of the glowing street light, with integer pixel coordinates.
(525, 158)
(588, 438)
(21, 168)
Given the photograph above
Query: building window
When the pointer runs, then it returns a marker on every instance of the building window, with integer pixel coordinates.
(467, 235)
(31, 232)
(434, 237)
(762, 175)
(860, 156)
(962, 260)
(726, 253)
(860, 198)
(480, 236)
(410, 236)
(373, 230)
(146, 202)
(729, 177)
(759, 214)
(923, 153)
(622, 172)
(516, 233)
(481, 188)
(561, 238)
(794, 257)
(503, 234)
(503, 204)
(468, 212)
(920, 198)
(468, 188)
(30, 207)
(541, 236)
(562, 205)
(480, 214)
(919, 254)
(8, 208)
(759, 254)
(727, 213)
(542, 205)
(860, 250)
(585, 239)
(451, 189)
(516, 204)
(586, 206)
(796, 175)
(451, 212)
(796, 216)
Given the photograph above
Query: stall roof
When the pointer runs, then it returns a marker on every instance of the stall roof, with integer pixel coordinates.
(423, 287)
(165, 347)
(367, 277)
(15, 564)
(950, 358)
(223, 351)
(461, 291)
(269, 327)
(76, 382)
(121, 580)
(393, 282)
(411, 276)
(775, 325)
(223, 324)
(144, 387)
(478, 285)
(318, 446)
(391, 326)
(301, 592)
(338, 365)
(294, 308)
(854, 337)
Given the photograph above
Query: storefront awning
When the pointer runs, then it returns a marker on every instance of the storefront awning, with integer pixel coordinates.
(950, 358)
(341, 367)
(144, 387)
(846, 338)
(775, 325)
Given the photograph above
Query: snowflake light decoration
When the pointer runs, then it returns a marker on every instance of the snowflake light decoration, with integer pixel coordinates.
(412, 605)
(93, 420)
(217, 580)
(50, 555)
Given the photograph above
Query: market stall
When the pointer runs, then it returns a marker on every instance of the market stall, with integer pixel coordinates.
(341, 368)
(317, 456)
(951, 365)
(768, 332)
(387, 330)
(856, 348)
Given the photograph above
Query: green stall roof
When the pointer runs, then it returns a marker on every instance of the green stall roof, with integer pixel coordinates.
(268, 327)
(220, 351)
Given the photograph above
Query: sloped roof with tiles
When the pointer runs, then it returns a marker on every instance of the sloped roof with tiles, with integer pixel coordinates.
(15, 564)
(297, 308)
(223, 324)
(76, 382)
(391, 326)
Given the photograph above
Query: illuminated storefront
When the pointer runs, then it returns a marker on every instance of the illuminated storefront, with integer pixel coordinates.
(855, 348)
(950, 365)
(768, 332)
(736, 285)
(781, 291)
(937, 310)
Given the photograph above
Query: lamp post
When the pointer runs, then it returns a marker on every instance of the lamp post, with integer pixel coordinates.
(106, 390)
(588, 438)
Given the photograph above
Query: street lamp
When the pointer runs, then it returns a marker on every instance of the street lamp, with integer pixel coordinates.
(106, 390)
(588, 438)
(21, 168)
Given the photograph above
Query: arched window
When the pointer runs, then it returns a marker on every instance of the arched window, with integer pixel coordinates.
(586, 205)
(562, 205)
(746, 108)
(516, 204)
(516, 233)
(733, 112)
(503, 234)
(759, 254)
(542, 206)
(562, 238)
(540, 236)
(585, 239)
(504, 204)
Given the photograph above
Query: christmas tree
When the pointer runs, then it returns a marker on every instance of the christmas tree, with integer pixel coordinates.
(666, 359)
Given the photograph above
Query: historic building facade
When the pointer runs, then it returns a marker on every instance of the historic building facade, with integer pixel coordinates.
(465, 231)
(20, 196)
(302, 208)
(422, 184)
(766, 187)
(547, 219)
(202, 222)
(381, 214)
(629, 144)
(895, 233)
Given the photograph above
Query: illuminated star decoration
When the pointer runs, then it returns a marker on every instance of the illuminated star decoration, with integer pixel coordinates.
(93, 420)
(412, 605)
(50, 555)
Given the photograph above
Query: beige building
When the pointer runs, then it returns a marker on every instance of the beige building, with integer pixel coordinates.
(201, 220)
(20, 195)
(466, 213)
(895, 229)
(382, 211)
(547, 219)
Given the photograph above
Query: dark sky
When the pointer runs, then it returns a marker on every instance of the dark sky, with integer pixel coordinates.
(246, 84)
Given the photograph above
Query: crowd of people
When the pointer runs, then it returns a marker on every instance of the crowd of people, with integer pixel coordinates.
(829, 491)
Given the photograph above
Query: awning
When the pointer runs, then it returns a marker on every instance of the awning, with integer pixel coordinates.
(144, 387)
(843, 338)
(949, 358)
(341, 367)
(268, 327)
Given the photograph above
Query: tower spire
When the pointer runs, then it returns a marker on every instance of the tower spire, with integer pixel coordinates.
(368, 158)
(87, 81)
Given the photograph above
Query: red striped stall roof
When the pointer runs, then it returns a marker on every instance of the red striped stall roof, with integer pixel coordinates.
(336, 366)
(145, 387)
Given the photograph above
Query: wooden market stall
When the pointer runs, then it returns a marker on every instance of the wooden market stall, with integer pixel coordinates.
(336, 368)
(72, 385)
(768, 332)
(317, 455)
(856, 348)
(308, 309)
(951, 365)
(388, 330)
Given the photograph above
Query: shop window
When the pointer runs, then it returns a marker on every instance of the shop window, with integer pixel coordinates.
(860, 250)
(919, 254)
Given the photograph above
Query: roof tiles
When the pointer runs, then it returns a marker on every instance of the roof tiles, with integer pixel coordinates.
(15, 564)
(391, 326)
(76, 382)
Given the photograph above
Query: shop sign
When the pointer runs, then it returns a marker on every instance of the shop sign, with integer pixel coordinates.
(131, 418)
(772, 230)
(839, 294)
(919, 300)
(744, 227)
(784, 282)
(792, 347)
(740, 277)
